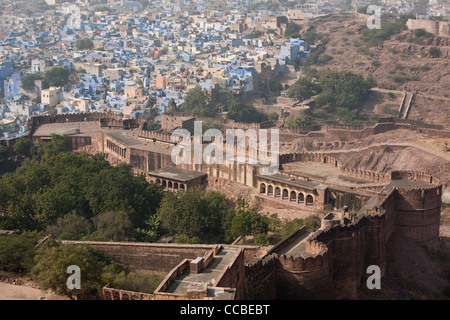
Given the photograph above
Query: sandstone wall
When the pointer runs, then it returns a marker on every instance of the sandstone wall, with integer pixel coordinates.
(418, 213)
(149, 257)
(260, 279)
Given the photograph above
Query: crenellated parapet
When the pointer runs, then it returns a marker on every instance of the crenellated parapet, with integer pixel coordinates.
(414, 175)
(364, 174)
(105, 120)
(157, 136)
(310, 156)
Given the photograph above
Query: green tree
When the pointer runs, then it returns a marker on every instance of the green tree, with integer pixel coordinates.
(344, 89)
(292, 30)
(27, 82)
(85, 44)
(146, 283)
(275, 84)
(57, 76)
(114, 226)
(300, 122)
(434, 52)
(261, 239)
(196, 101)
(289, 227)
(70, 227)
(246, 222)
(52, 263)
(303, 89)
(3, 153)
(23, 147)
(17, 252)
(152, 232)
(195, 213)
(58, 144)
(273, 116)
(239, 111)
(49, 186)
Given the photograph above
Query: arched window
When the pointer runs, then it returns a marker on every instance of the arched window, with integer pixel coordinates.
(309, 200)
(270, 190)
(108, 295)
(285, 194)
(293, 196)
(262, 188)
(301, 198)
(277, 192)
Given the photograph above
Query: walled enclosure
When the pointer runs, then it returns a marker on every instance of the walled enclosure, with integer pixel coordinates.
(334, 261)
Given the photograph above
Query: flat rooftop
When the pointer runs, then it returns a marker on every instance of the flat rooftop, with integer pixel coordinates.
(291, 181)
(297, 248)
(329, 175)
(128, 138)
(174, 173)
(406, 183)
(88, 128)
(208, 276)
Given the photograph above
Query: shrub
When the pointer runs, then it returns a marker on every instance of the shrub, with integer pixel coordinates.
(434, 52)
(17, 252)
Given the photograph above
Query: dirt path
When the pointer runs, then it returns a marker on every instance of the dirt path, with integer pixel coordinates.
(13, 292)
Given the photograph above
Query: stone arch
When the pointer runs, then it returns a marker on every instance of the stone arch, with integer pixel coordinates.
(108, 295)
(269, 190)
(182, 187)
(175, 186)
(309, 200)
(285, 194)
(170, 185)
(125, 296)
(277, 192)
(158, 181)
(262, 188)
(135, 297)
(164, 183)
(116, 295)
(301, 197)
(293, 196)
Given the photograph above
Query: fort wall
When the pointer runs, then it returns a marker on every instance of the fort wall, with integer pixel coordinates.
(438, 28)
(233, 275)
(303, 277)
(418, 213)
(260, 278)
(148, 257)
(336, 258)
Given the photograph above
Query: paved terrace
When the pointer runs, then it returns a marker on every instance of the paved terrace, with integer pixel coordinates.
(176, 173)
(91, 128)
(407, 184)
(208, 276)
(297, 248)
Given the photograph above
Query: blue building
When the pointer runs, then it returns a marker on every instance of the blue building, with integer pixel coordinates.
(12, 86)
(6, 70)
